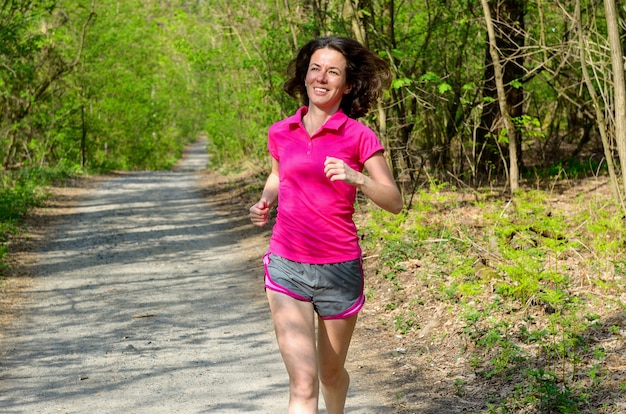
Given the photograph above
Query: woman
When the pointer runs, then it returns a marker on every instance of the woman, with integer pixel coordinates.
(314, 261)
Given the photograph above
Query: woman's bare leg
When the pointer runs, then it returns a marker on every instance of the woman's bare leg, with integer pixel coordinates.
(294, 324)
(334, 338)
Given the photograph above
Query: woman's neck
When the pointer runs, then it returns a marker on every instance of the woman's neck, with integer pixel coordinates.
(315, 118)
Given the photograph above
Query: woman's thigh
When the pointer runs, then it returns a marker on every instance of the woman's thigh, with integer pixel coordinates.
(334, 338)
(294, 323)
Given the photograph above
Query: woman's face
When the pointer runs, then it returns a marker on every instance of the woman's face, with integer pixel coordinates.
(326, 79)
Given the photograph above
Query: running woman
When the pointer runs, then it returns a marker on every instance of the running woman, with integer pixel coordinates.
(313, 265)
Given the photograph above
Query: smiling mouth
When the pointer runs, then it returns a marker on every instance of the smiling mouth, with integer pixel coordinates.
(321, 90)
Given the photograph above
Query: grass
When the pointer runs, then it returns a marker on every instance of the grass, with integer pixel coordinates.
(20, 191)
(536, 285)
(530, 291)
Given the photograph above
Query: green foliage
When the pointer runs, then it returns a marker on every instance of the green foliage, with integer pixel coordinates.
(147, 77)
(16, 201)
(126, 92)
(405, 323)
(142, 56)
(19, 193)
(151, 75)
(20, 46)
(387, 230)
(22, 190)
(515, 285)
(551, 396)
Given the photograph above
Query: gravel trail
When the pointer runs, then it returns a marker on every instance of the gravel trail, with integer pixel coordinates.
(148, 300)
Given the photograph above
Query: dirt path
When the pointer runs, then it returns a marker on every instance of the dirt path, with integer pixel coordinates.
(147, 299)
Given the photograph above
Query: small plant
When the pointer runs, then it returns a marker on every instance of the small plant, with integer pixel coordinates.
(392, 277)
(405, 323)
(533, 337)
(3, 256)
(459, 383)
(553, 397)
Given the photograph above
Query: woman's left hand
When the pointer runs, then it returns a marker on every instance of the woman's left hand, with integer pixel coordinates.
(378, 184)
(337, 170)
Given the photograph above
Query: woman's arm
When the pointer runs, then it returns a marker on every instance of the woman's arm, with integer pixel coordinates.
(260, 211)
(379, 186)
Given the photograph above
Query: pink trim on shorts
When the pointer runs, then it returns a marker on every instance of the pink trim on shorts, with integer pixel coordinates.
(273, 286)
(358, 305)
(351, 311)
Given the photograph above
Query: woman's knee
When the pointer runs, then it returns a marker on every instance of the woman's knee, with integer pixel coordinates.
(330, 377)
(304, 387)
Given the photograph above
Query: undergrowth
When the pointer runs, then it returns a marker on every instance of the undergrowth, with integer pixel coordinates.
(20, 191)
(536, 285)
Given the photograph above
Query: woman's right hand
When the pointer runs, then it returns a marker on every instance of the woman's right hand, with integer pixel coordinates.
(259, 213)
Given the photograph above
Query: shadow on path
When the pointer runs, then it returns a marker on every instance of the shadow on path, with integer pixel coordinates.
(146, 300)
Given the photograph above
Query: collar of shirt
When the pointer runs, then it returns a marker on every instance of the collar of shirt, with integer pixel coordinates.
(333, 124)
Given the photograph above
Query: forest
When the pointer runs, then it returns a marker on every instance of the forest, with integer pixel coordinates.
(495, 105)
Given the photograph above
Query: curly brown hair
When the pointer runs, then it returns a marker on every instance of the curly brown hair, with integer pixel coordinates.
(365, 71)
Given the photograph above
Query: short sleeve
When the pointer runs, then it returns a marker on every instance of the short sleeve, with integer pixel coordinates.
(369, 145)
(272, 146)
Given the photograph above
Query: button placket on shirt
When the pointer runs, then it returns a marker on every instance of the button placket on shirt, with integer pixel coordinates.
(309, 144)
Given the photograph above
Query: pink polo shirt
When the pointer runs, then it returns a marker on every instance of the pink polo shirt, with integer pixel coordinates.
(314, 223)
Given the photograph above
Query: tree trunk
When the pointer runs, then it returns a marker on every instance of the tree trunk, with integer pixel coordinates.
(502, 100)
(83, 137)
(350, 14)
(600, 120)
(359, 23)
(617, 62)
(509, 40)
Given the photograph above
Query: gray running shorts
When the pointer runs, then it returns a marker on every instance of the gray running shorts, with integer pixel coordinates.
(335, 290)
